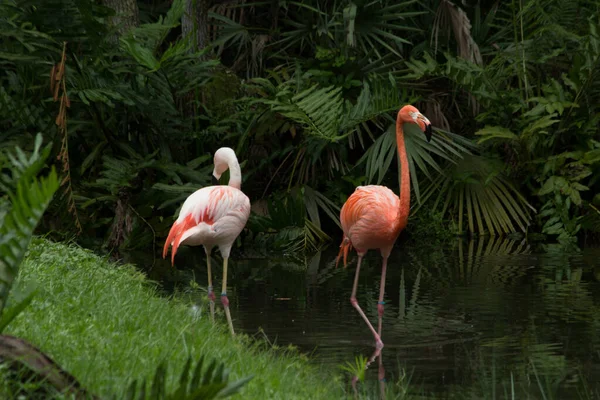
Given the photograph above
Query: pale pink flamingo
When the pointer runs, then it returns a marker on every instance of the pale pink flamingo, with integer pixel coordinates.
(213, 216)
(373, 216)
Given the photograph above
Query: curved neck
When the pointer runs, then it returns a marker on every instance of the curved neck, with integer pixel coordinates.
(402, 218)
(235, 174)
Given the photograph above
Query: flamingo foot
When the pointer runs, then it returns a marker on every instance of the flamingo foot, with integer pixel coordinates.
(375, 354)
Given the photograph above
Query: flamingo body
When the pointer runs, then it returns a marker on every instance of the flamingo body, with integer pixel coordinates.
(211, 216)
(369, 218)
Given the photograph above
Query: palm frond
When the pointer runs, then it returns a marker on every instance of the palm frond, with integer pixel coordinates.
(474, 187)
(377, 98)
(446, 145)
(377, 24)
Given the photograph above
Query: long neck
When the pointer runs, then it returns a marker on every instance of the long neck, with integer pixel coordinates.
(402, 218)
(235, 174)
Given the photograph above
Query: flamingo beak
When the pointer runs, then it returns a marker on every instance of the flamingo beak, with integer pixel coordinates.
(215, 177)
(425, 125)
(428, 132)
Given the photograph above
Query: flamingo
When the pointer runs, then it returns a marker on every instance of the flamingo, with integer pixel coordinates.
(373, 216)
(213, 216)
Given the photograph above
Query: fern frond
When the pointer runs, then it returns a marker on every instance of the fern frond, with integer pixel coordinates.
(319, 110)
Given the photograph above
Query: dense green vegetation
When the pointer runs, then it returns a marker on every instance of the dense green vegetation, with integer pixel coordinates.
(136, 95)
(306, 93)
(24, 369)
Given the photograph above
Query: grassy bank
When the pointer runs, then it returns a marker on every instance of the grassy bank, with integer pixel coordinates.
(105, 324)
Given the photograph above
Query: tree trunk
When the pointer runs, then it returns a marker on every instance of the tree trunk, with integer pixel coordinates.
(127, 14)
(195, 22)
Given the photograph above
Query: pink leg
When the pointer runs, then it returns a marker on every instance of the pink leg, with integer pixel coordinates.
(381, 372)
(211, 293)
(354, 382)
(224, 299)
(380, 306)
(378, 342)
(381, 303)
(381, 376)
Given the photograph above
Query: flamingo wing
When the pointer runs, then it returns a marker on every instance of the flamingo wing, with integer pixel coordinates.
(211, 216)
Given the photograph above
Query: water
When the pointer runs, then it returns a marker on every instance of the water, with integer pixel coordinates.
(463, 315)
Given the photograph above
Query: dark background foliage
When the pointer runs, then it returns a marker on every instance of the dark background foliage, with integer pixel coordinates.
(306, 93)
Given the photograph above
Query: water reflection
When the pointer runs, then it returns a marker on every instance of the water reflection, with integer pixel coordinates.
(473, 313)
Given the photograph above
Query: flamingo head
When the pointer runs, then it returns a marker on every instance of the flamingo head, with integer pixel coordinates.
(411, 114)
(223, 157)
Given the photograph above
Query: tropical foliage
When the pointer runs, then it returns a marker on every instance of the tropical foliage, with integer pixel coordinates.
(28, 196)
(306, 93)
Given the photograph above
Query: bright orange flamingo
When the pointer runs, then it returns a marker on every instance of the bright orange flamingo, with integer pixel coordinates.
(213, 216)
(373, 216)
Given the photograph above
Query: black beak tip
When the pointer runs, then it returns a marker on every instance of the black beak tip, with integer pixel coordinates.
(215, 181)
(428, 132)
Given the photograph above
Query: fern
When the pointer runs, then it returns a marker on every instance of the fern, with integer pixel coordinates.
(29, 199)
(151, 36)
(322, 111)
(377, 99)
(318, 110)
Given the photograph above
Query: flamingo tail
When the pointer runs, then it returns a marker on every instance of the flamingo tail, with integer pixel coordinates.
(175, 235)
(345, 247)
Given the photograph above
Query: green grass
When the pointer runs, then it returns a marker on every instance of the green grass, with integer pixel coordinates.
(105, 324)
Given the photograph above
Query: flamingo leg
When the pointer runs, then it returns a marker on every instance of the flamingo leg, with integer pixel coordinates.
(224, 298)
(378, 342)
(381, 372)
(211, 293)
(381, 303)
(381, 376)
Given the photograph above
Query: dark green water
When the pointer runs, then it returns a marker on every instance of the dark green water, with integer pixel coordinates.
(461, 316)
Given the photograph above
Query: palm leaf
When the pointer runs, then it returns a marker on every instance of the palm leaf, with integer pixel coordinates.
(448, 146)
(377, 22)
(314, 201)
(474, 187)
